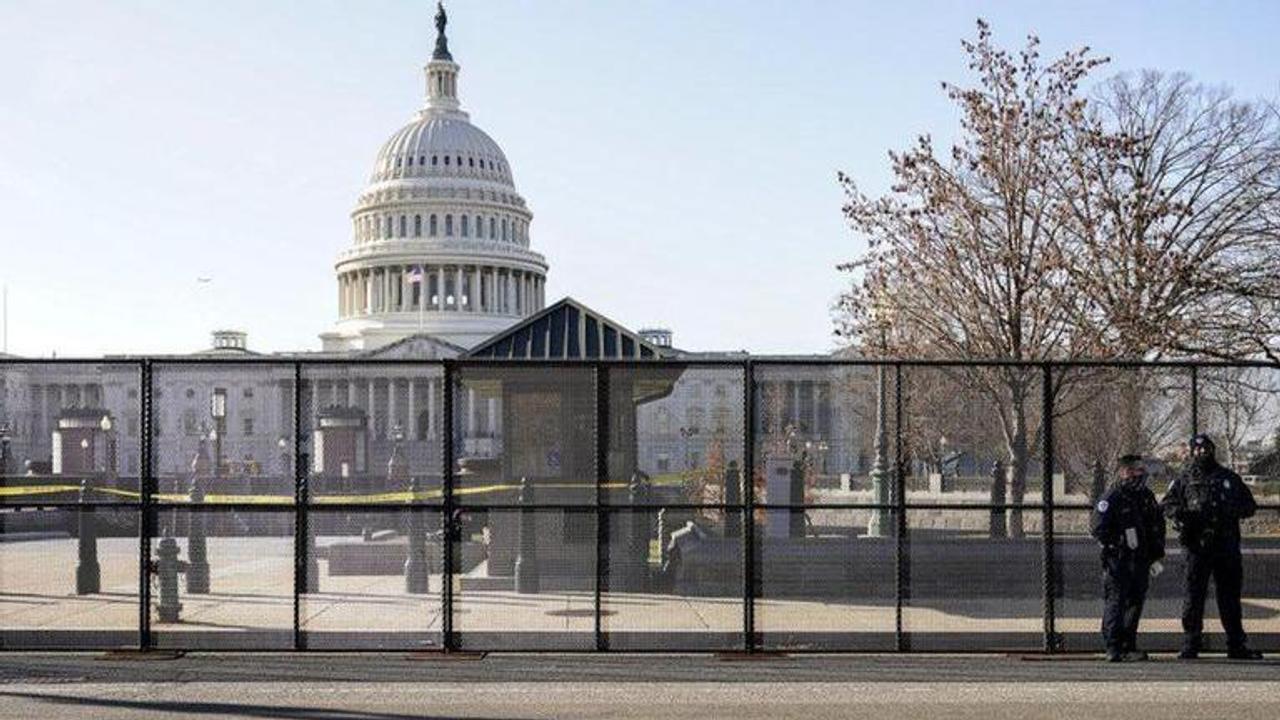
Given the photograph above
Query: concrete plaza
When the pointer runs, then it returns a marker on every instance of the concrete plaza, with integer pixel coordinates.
(251, 606)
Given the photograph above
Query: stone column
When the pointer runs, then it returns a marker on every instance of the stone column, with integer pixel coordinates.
(315, 405)
(373, 416)
(440, 287)
(471, 412)
(412, 409)
(351, 393)
(458, 274)
(431, 407)
(392, 419)
(510, 304)
(475, 297)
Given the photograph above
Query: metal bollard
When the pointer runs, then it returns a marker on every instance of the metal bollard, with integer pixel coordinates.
(197, 547)
(167, 568)
(732, 496)
(998, 525)
(526, 568)
(88, 572)
(636, 569)
(416, 572)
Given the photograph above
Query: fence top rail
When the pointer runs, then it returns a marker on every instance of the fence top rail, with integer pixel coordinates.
(757, 360)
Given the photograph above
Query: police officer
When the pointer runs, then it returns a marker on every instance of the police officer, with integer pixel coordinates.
(1128, 525)
(1206, 504)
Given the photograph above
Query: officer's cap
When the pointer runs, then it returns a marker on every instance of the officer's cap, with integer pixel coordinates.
(1202, 441)
(1130, 460)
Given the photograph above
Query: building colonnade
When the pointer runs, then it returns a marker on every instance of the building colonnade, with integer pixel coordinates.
(455, 288)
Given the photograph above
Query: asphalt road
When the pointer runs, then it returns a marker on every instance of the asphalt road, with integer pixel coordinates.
(390, 687)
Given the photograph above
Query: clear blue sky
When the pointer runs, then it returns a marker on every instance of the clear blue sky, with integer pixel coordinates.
(679, 157)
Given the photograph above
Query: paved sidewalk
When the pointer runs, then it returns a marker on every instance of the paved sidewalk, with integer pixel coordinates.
(395, 686)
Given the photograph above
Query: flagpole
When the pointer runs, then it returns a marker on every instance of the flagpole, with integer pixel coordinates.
(422, 297)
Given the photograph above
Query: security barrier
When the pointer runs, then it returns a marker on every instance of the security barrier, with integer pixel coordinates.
(767, 504)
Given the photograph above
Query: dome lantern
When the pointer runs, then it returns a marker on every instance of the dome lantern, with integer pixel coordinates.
(442, 71)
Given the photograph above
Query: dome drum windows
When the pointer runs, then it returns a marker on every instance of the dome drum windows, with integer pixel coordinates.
(432, 229)
(417, 226)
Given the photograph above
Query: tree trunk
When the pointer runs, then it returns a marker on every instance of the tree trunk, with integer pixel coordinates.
(1017, 464)
(1131, 436)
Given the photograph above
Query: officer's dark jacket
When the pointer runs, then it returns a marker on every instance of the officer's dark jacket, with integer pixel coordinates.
(1207, 505)
(1123, 507)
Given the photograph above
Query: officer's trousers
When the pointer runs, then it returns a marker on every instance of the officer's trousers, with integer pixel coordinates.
(1124, 584)
(1224, 566)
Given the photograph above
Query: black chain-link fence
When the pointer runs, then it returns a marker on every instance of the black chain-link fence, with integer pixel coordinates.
(737, 505)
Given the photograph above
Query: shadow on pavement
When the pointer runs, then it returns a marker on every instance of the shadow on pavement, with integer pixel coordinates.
(197, 709)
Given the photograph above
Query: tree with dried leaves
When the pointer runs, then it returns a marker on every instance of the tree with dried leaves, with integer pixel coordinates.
(965, 258)
(1141, 224)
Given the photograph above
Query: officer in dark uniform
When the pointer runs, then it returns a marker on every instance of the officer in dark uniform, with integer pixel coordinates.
(1128, 525)
(1206, 504)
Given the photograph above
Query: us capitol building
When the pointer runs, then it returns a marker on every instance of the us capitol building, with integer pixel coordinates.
(441, 266)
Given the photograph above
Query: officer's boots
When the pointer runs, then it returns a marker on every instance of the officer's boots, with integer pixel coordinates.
(1190, 648)
(1243, 653)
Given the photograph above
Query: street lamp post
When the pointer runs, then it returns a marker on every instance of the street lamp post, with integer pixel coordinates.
(218, 411)
(4, 450)
(285, 465)
(880, 474)
(108, 431)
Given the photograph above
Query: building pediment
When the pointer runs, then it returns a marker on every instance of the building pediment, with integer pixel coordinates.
(416, 347)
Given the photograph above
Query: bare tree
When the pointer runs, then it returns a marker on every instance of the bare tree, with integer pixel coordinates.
(965, 256)
(1176, 219)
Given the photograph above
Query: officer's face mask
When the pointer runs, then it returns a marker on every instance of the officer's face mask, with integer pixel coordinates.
(1134, 478)
(1202, 457)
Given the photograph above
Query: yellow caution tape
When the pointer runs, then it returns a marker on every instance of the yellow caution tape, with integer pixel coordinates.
(372, 499)
(37, 490)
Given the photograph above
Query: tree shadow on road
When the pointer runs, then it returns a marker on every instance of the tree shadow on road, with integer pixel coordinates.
(198, 709)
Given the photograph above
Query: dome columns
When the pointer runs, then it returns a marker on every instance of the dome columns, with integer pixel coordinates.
(445, 288)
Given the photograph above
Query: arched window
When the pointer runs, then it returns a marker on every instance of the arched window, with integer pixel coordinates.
(432, 230)
(465, 224)
(422, 159)
(471, 162)
(386, 228)
(435, 160)
(448, 225)
(410, 161)
(459, 161)
(402, 226)
(446, 159)
(504, 229)
(417, 226)
(493, 228)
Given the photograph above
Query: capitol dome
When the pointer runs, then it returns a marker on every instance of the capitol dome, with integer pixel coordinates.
(440, 234)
